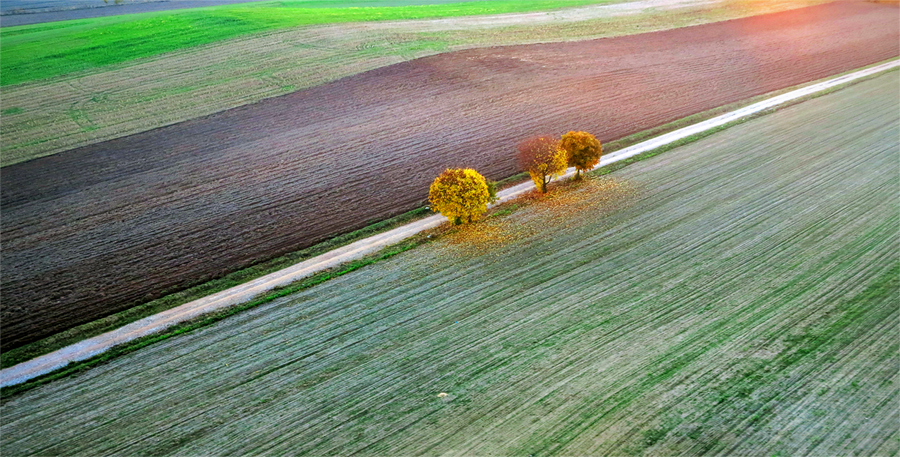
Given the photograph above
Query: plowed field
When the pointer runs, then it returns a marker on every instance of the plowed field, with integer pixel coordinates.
(90, 231)
(733, 297)
(55, 115)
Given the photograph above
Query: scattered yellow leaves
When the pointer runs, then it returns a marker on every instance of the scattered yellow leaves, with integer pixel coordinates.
(564, 206)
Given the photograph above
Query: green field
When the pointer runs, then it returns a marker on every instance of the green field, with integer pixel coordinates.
(735, 296)
(45, 117)
(41, 51)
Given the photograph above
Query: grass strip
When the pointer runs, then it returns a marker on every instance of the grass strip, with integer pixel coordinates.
(697, 136)
(203, 321)
(633, 139)
(41, 51)
(208, 287)
(31, 351)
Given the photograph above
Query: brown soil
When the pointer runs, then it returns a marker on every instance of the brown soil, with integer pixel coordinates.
(91, 231)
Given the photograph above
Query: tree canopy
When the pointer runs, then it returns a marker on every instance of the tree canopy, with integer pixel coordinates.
(582, 151)
(460, 194)
(542, 158)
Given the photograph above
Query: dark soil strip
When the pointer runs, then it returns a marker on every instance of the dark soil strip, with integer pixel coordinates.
(99, 229)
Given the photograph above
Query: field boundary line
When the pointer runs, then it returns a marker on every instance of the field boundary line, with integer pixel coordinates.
(243, 293)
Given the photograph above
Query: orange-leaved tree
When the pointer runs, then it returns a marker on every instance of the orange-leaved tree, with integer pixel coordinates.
(461, 195)
(542, 158)
(582, 151)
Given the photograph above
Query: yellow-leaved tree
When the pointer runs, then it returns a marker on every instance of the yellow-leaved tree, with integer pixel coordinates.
(542, 158)
(582, 151)
(459, 194)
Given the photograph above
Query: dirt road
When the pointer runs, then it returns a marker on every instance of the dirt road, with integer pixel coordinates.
(96, 229)
(359, 249)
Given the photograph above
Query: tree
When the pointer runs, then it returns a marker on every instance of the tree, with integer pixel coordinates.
(459, 194)
(542, 158)
(582, 151)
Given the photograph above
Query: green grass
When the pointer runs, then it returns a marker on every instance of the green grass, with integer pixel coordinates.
(736, 296)
(34, 52)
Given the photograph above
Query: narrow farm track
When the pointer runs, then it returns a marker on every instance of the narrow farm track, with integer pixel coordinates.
(736, 296)
(94, 230)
